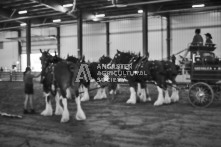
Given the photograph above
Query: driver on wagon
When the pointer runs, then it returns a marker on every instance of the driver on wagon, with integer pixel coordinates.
(197, 39)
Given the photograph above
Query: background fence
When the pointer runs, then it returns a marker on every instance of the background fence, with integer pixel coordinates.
(14, 76)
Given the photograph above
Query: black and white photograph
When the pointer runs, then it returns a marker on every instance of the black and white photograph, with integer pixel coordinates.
(110, 73)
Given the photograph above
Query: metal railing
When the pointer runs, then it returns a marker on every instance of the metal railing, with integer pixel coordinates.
(14, 76)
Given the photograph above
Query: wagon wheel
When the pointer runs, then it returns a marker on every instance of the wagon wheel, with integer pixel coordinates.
(201, 95)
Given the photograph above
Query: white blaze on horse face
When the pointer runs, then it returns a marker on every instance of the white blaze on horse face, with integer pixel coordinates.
(80, 115)
(48, 109)
(175, 94)
(58, 108)
(132, 99)
(85, 94)
(65, 115)
(167, 99)
(160, 99)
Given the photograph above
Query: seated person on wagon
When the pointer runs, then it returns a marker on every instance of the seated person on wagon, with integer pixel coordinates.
(208, 39)
(197, 39)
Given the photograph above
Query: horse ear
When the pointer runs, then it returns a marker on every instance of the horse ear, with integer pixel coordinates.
(40, 50)
(118, 51)
(82, 59)
(48, 50)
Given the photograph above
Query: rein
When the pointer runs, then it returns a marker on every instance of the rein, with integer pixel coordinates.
(175, 54)
(95, 88)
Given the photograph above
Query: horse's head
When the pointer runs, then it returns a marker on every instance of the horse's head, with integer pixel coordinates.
(46, 58)
(105, 60)
(122, 57)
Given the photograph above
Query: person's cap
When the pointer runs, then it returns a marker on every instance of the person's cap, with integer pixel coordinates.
(209, 35)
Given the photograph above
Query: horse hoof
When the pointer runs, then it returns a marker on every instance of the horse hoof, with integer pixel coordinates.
(46, 113)
(59, 111)
(64, 120)
(80, 116)
(85, 99)
(167, 102)
(97, 97)
(130, 102)
(158, 103)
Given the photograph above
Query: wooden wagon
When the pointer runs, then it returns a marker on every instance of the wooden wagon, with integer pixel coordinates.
(205, 76)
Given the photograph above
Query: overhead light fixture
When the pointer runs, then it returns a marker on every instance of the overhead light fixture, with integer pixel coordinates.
(140, 11)
(57, 20)
(23, 24)
(22, 12)
(100, 15)
(67, 5)
(95, 19)
(198, 5)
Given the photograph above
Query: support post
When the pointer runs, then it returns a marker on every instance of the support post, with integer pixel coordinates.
(58, 41)
(19, 50)
(79, 35)
(168, 37)
(144, 32)
(108, 39)
(28, 42)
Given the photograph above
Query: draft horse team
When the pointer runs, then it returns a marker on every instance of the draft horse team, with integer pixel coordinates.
(59, 78)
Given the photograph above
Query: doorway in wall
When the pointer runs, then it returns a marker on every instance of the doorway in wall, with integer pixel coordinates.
(35, 61)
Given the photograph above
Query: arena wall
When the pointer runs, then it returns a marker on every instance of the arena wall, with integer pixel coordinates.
(9, 52)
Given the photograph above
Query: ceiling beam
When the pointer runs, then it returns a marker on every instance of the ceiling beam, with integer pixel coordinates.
(30, 17)
(136, 4)
(8, 14)
(19, 4)
(55, 5)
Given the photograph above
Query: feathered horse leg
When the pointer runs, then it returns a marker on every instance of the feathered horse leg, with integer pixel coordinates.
(133, 98)
(48, 109)
(58, 108)
(160, 99)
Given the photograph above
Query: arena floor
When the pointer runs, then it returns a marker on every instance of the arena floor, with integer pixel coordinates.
(109, 123)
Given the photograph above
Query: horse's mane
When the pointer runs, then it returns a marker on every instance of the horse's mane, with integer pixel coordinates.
(72, 59)
(104, 59)
(124, 57)
(56, 59)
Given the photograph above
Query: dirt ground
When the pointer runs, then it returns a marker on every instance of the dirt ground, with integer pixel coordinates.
(109, 123)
